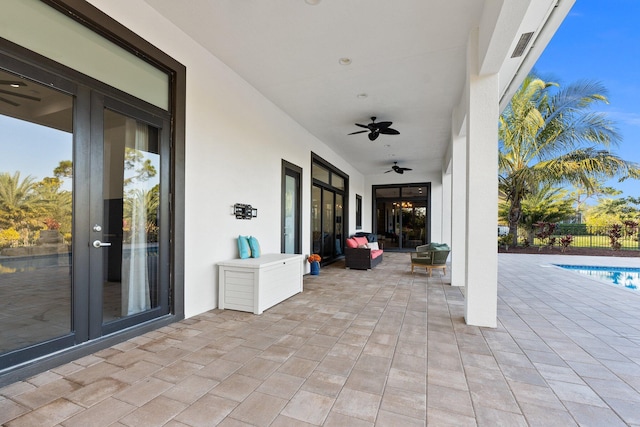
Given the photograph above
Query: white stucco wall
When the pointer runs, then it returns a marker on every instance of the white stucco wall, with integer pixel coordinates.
(235, 141)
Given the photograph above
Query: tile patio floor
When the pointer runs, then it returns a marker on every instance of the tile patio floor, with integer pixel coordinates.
(365, 348)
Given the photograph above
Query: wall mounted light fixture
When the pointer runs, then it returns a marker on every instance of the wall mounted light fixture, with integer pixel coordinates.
(244, 211)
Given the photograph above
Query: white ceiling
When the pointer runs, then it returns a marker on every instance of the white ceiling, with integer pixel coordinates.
(407, 56)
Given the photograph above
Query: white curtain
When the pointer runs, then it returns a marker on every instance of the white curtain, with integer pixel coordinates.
(135, 274)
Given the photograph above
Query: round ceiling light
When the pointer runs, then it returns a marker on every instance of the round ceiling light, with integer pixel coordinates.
(344, 61)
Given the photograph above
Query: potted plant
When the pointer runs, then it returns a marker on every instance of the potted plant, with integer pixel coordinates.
(505, 240)
(314, 261)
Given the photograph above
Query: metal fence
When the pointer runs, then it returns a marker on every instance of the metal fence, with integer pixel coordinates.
(585, 236)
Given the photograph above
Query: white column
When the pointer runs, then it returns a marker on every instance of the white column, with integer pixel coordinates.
(458, 212)
(446, 207)
(481, 291)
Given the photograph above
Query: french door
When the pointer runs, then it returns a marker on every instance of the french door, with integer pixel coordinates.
(128, 243)
(84, 213)
(328, 210)
(291, 208)
(402, 215)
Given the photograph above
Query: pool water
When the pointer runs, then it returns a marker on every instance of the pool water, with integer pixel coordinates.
(628, 277)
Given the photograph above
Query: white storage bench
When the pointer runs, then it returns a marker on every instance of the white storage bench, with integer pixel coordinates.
(255, 284)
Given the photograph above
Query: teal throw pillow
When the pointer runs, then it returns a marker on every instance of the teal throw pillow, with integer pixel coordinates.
(254, 246)
(243, 247)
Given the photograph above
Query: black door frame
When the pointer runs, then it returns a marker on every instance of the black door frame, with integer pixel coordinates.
(86, 290)
(20, 364)
(401, 198)
(159, 120)
(343, 220)
(289, 169)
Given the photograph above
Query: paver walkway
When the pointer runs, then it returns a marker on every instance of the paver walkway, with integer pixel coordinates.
(365, 348)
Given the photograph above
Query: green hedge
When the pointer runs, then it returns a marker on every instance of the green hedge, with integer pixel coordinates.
(573, 229)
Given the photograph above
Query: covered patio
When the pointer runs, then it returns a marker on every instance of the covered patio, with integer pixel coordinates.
(261, 105)
(362, 348)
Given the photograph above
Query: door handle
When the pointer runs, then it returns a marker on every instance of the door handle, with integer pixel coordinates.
(99, 244)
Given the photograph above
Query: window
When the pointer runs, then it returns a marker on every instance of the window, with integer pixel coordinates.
(319, 173)
(358, 212)
(80, 48)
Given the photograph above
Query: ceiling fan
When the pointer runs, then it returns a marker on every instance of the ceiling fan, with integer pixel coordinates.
(14, 84)
(375, 129)
(397, 169)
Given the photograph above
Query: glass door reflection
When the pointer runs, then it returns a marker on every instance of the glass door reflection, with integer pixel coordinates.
(401, 220)
(327, 224)
(36, 195)
(131, 200)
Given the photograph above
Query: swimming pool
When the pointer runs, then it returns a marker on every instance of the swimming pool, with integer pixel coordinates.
(627, 277)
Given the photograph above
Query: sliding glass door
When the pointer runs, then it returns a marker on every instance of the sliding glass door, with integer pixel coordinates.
(402, 215)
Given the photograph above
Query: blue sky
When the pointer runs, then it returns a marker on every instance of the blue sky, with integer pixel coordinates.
(22, 145)
(599, 41)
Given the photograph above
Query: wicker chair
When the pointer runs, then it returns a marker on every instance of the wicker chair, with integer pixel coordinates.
(358, 257)
(430, 256)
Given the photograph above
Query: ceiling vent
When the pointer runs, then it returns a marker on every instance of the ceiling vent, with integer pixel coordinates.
(522, 44)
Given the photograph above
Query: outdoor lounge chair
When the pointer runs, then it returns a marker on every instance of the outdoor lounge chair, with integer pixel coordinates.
(433, 255)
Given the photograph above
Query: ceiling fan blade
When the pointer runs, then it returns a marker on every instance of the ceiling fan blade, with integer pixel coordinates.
(389, 131)
(390, 170)
(373, 136)
(360, 131)
(15, 104)
(362, 126)
(407, 169)
(383, 125)
(20, 95)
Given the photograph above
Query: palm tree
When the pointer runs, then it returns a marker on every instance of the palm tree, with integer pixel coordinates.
(141, 210)
(18, 204)
(54, 202)
(543, 204)
(550, 135)
(581, 195)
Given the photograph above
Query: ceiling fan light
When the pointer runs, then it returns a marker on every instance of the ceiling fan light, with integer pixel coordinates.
(12, 83)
